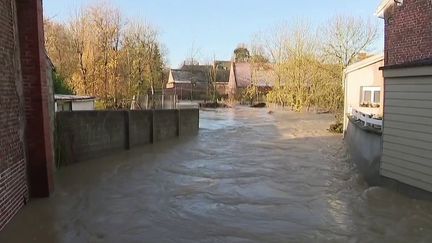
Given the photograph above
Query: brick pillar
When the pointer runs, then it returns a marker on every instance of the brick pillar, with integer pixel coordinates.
(39, 144)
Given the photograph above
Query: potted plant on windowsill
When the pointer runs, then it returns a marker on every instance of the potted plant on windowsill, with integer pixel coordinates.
(369, 105)
(365, 104)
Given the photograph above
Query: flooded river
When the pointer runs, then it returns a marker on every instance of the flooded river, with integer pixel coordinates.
(249, 176)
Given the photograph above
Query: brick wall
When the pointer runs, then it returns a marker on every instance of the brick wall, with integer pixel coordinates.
(26, 154)
(38, 132)
(13, 182)
(408, 32)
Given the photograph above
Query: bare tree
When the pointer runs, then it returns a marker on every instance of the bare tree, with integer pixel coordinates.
(345, 37)
(193, 55)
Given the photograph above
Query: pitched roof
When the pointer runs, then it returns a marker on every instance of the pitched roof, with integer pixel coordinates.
(222, 76)
(222, 69)
(384, 5)
(364, 63)
(245, 75)
(264, 78)
(222, 65)
(190, 75)
(200, 68)
(72, 97)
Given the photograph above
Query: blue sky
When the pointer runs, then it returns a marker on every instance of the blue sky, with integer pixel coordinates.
(215, 28)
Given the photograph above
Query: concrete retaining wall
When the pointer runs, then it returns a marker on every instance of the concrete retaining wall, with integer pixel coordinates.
(140, 128)
(188, 121)
(165, 125)
(365, 148)
(84, 135)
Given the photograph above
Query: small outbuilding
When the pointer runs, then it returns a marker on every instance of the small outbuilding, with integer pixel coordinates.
(74, 103)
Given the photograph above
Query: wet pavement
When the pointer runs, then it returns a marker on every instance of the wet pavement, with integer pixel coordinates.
(249, 176)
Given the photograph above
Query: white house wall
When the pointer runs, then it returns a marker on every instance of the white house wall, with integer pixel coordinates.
(355, 80)
(170, 83)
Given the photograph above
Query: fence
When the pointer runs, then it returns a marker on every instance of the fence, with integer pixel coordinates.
(366, 119)
(192, 93)
(174, 98)
(156, 101)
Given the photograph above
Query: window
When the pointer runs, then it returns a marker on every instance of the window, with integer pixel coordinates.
(370, 97)
(377, 97)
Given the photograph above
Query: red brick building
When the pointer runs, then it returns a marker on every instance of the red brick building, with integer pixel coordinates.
(407, 122)
(408, 30)
(26, 154)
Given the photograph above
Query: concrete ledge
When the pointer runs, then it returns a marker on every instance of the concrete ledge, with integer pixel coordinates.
(365, 148)
(84, 135)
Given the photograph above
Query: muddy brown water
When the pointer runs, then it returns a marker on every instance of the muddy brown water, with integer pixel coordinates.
(249, 176)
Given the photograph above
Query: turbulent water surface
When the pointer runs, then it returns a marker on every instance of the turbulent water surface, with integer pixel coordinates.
(249, 176)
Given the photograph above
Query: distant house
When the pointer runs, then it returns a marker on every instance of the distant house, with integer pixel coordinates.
(240, 78)
(190, 80)
(228, 78)
(242, 75)
(222, 71)
(407, 128)
(73, 103)
(364, 86)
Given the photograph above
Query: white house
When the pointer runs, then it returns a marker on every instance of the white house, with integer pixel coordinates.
(364, 88)
(74, 103)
